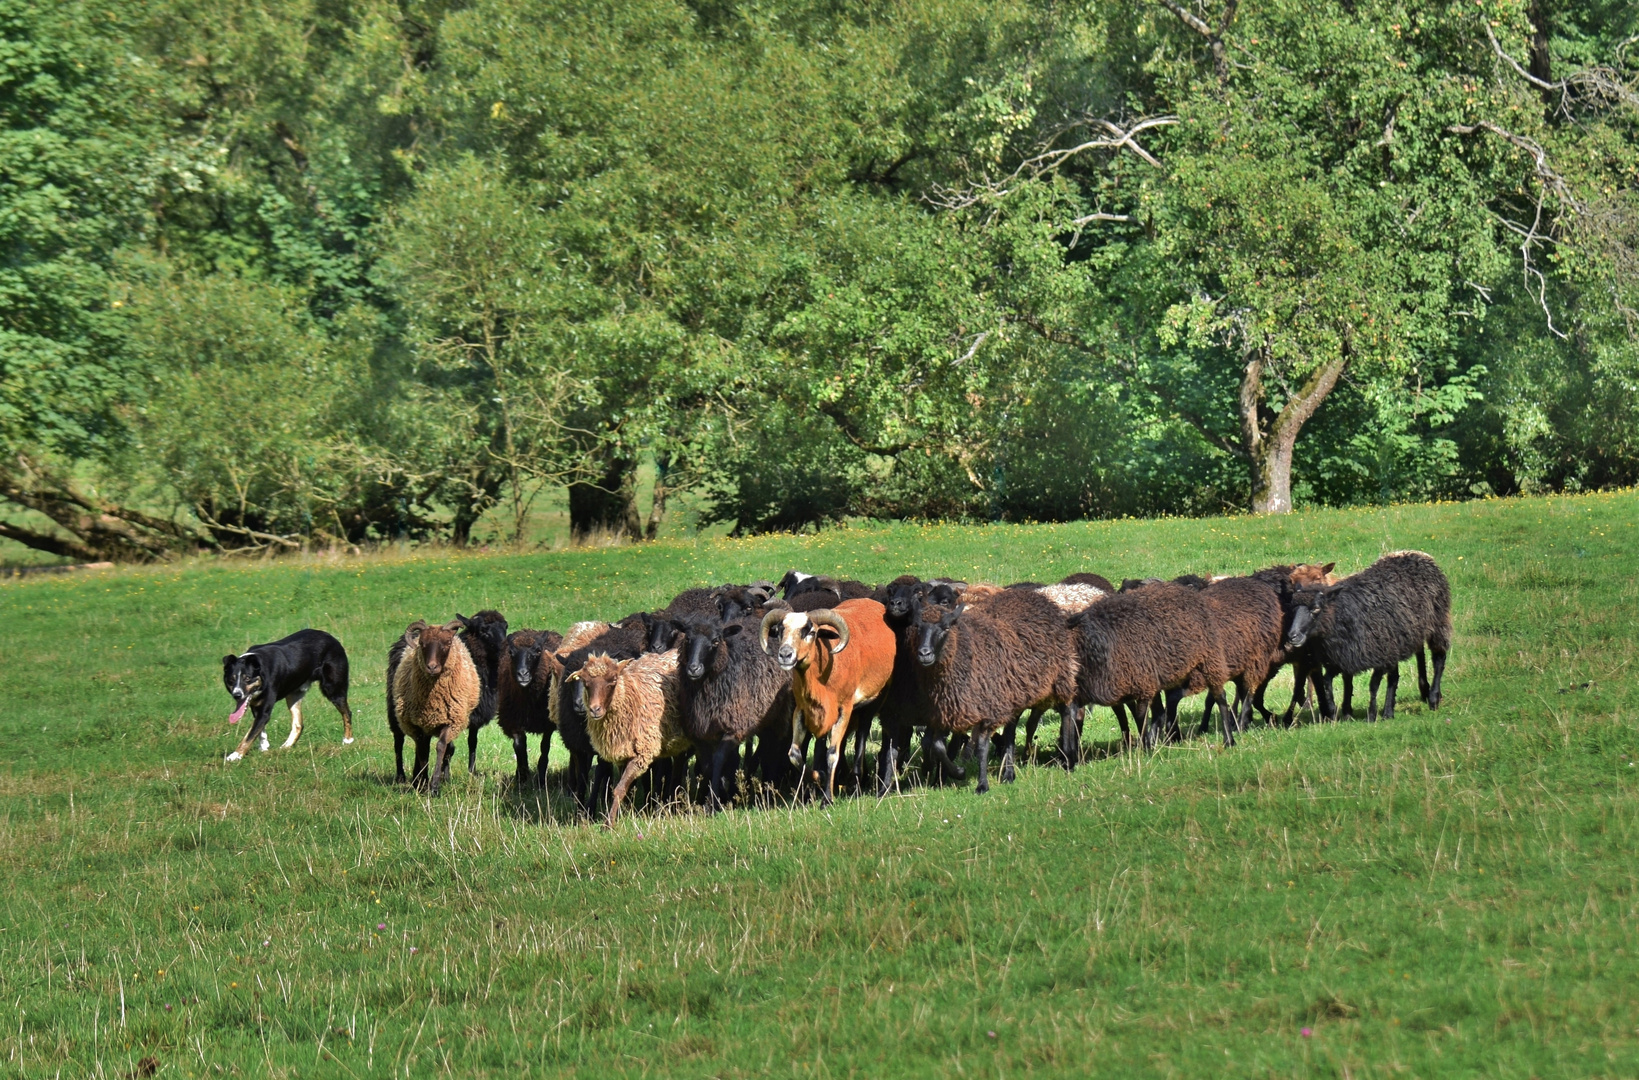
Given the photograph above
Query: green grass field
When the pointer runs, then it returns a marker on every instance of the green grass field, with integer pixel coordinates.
(1446, 894)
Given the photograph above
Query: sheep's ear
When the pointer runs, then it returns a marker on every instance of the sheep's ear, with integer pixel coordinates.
(573, 676)
(731, 629)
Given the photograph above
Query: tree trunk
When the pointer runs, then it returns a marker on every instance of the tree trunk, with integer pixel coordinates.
(1269, 445)
(657, 511)
(608, 506)
(1542, 66)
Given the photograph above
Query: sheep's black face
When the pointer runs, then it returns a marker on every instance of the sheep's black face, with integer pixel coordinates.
(933, 631)
(526, 659)
(1305, 607)
(899, 599)
(662, 633)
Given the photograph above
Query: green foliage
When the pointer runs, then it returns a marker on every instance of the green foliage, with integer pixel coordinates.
(1441, 893)
(79, 124)
(818, 261)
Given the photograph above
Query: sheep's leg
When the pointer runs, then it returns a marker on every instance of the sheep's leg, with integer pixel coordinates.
(1215, 699)
(634, 768)
(1301, 677)
(717, 782)
(1120, 711)
(1069, 735)
(1147, 724)
(1422, 676)
(832, 746)
(441, 767)
(1371, 706)
(472, 750)
(398, 752)
(546, 754)
(860, 726)
(1258, 703)
(981, 743)
(1008, 774)
(1243, 705)
(1389, 695)
(1174, 697)
(520, 751)
(1031, 718)
(798, 728)
(1348, 694)
(418, 770)
(937, 750)
(887, 761)
(1438, 656)
(602, 774)
(956, 745)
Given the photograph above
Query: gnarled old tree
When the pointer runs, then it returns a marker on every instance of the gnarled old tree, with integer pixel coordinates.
(1307, 196)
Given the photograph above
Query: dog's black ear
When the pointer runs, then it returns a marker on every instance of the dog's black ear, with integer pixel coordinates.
(227, 661)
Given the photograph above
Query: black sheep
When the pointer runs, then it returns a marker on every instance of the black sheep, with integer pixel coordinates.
(523, 698)
(732, 689)
(484, 635)
(1371, 621)
(982, 665)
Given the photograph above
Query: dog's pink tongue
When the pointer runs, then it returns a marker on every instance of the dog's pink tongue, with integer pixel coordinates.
(240, 711)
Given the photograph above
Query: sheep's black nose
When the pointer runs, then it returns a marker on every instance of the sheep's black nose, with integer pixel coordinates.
(788, 655)
(926, 657)
(696, 670)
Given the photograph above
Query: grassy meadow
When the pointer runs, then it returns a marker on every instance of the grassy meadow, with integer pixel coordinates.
(1450, 893)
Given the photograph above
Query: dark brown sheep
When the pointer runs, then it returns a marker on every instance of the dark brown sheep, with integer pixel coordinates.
(981, 665)
(1247, 622)
(1137, 644)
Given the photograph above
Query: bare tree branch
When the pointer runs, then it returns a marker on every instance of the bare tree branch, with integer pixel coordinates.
(1046, 161)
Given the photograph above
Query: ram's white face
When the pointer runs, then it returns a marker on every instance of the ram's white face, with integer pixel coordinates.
(796, 639)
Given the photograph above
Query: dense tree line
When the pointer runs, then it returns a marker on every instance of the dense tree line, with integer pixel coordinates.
(329, 271)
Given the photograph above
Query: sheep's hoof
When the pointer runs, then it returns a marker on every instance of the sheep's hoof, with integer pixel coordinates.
(1008, 775)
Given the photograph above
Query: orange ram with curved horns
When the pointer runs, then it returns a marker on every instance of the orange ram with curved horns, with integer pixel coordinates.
(840, 658)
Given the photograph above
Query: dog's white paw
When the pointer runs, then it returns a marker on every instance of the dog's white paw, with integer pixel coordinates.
(263, 747)
(347, 742)
(235, 756)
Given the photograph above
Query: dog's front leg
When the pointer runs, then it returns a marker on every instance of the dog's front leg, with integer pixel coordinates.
(257, 732)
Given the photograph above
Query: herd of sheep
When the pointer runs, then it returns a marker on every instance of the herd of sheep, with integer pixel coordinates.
(743, 677)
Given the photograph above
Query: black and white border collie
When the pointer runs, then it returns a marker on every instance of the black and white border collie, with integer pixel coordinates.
(284, 669)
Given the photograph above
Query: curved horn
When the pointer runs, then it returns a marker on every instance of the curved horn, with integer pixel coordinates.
(827, 617)
(769, 620)
(454, 624)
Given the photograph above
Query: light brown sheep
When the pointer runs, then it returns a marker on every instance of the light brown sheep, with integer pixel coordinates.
(580, 635)
(632, 714)
(435, 689)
